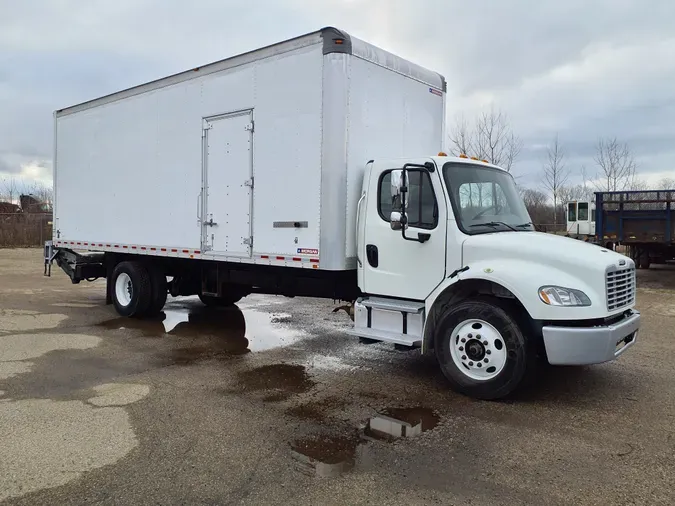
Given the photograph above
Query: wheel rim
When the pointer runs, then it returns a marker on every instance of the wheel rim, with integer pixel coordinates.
(478, 350)
(124, 289)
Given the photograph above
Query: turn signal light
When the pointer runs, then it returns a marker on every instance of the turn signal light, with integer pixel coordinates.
(442, 154)
(463, 156)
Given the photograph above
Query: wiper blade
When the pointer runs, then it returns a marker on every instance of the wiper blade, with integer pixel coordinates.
(494, 224)
(523, 225)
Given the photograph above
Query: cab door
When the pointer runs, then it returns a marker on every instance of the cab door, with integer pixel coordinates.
(389, 264)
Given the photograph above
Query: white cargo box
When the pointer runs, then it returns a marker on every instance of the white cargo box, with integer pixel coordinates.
(258, 158)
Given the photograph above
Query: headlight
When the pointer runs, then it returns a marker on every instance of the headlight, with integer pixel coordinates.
(559, 296)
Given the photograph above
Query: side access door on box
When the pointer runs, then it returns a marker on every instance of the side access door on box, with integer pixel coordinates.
(227, 187)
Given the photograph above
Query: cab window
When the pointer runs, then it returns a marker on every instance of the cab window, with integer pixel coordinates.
(422, 209)
(572, 211)
(583, 211)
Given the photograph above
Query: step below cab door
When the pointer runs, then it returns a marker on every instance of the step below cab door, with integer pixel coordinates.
(408, 262)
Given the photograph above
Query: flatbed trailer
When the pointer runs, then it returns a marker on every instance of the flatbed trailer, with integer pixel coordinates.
(643, 221)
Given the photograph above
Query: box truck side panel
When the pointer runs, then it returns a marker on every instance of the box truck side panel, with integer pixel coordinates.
(287, 155)
(391, 115)
(334, 161)
(130, 171)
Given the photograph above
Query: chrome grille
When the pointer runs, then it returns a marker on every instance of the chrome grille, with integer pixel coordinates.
(620, 288)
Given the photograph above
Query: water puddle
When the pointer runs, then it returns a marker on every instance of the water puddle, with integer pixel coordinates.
(325, 456)
(396, 423)
(215, 331)
(279, 381)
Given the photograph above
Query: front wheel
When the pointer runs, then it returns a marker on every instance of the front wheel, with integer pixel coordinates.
(482, 350)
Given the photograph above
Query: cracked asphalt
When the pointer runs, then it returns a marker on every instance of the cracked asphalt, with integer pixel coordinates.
(273, 403)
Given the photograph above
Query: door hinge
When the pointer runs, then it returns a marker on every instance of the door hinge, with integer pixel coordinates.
(249, 182)
(250, 127)
(248, 241)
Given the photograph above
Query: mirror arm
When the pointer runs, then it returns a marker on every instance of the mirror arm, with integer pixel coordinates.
(421, 238)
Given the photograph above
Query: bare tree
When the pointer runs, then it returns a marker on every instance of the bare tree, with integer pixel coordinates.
(617, 165)
(555, 173)
(638, 184)
(490, 138)
(666, 183)
(9, 189)
(537, 204)
(461, 138)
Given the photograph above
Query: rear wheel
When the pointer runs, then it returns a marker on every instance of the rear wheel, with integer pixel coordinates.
(482, 350)
(131, 289)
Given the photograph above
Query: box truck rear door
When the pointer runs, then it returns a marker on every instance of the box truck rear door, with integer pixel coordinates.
(228, 180)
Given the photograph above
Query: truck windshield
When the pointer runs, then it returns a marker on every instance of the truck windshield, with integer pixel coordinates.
(485, 199)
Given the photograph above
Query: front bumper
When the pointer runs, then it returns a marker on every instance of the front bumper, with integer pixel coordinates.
(590, 345)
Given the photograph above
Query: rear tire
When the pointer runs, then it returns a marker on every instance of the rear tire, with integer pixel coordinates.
(131, 289)
(159, 290)
(482, 351)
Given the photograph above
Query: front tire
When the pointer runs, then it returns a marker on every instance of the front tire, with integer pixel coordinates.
(131, 289)
(482, 350)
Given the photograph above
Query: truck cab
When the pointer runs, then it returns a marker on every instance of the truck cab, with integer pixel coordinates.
(448, 260)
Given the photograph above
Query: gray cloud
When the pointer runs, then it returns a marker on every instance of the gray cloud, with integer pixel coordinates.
(580, 69)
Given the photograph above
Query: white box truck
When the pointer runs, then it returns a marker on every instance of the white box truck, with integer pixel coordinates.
(312, 168)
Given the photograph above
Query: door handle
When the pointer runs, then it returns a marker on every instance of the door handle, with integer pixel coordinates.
(372, 255)
(199, 207)
(210, 223)
(358, 224)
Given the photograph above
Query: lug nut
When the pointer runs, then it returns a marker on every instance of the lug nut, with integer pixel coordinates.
(479, 364)
(485, 343)
(470, 336)
(477, 336)
(488, 351)
(471, 364)
(486, 360)
(461, 348)
(463, 357)
(463, 340)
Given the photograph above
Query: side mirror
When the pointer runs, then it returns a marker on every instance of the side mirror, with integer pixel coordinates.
(396, 220)
(398, 201)
(399, 187)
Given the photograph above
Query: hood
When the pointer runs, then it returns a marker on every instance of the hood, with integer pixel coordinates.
(525, 261)
(538, 246)
(571, 255)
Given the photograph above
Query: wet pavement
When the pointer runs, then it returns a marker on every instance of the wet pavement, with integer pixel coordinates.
(270, 402)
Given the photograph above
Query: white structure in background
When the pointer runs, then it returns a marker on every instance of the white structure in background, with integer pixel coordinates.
(581, 218)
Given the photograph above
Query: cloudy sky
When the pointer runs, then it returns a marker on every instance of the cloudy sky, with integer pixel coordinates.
(580, 68)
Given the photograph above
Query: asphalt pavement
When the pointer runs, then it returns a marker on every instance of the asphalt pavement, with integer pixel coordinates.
(272, 403)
